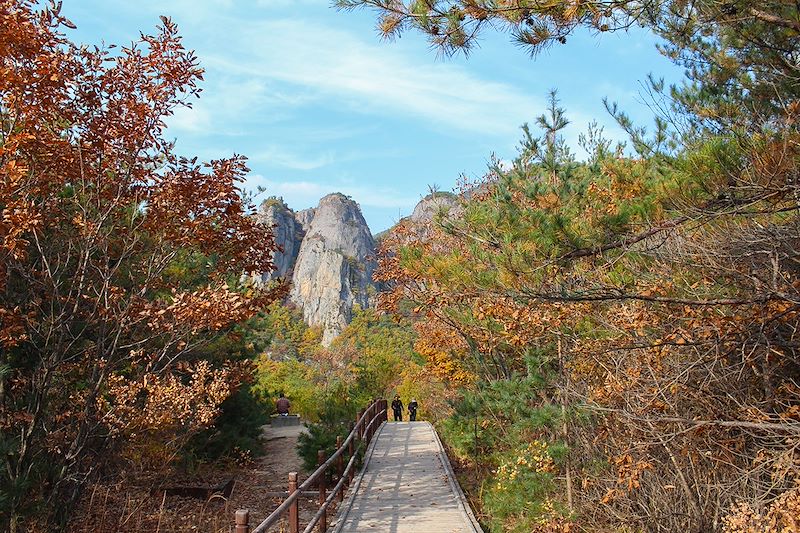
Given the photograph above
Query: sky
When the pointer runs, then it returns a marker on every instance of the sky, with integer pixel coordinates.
(319, 103)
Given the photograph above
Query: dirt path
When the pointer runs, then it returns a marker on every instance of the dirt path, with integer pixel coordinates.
(270, 474)
(281, 457)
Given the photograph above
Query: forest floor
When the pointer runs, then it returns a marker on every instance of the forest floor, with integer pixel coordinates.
(131, 505)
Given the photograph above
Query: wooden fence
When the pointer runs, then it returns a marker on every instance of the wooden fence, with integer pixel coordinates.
(367, 423)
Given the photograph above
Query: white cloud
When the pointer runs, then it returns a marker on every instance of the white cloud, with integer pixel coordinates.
(303, 193)
(228, 104)
(282, 157)
(260, 65)
(192, 119)
(287, 157)
(363, 77)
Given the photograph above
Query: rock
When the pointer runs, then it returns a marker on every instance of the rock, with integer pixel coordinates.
(277, 421)
(329, 254)
(304, 218)
(434, 204)
(288, 232)
(334, 266)
(419, 226)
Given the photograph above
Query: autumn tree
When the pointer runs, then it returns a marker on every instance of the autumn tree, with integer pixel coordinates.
(638, 296)
(100, 335)
(648, 283)
(664, 286)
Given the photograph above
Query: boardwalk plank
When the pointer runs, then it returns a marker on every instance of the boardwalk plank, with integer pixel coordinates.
(406, 487)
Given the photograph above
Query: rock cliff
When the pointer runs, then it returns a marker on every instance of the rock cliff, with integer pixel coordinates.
(304, 218)
(288, 232)
(335, 265)
(328, 252)
(438, 203)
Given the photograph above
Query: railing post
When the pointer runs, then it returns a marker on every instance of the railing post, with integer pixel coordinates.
(367, 424)
(323, 521)
(294, 515)
(340, 465)
(371, 428)
(242, 521)
(351, 451)
(360, 427)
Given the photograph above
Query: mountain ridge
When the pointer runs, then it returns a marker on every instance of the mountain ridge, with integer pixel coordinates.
(329, 254)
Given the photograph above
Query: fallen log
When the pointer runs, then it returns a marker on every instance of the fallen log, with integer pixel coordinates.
(223, 490)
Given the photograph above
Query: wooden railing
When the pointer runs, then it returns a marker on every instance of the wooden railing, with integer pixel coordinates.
(367, 422)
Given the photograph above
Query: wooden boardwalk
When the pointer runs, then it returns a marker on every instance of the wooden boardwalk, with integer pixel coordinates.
(406, 486)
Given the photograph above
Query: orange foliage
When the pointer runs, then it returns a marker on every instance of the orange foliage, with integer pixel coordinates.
(675, 340)
(114, 253)
(443, 352)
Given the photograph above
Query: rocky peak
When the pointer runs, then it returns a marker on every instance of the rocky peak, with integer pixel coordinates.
(334, 267)
(427, 212)
(433, 204)
(288, 233)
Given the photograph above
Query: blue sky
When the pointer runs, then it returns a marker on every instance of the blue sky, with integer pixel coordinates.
(319, 103)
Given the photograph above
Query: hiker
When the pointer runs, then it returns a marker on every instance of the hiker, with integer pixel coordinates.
(397, 408)
(412, 410)
(282, 405)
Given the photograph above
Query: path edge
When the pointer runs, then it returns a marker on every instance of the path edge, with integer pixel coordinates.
(454, 485)
(347, 504)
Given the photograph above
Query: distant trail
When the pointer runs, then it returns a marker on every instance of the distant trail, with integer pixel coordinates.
(407, 486)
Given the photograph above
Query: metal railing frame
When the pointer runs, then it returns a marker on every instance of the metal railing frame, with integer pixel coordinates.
(367, 423)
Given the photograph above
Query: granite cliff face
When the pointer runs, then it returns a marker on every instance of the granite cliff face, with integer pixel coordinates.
(288, 232)
(335, 265)
(433, 205)
(304, 218)
(329, 254)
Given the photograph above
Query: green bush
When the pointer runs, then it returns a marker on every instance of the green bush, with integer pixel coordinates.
(335, 420)
(237, 429)
(509, 430)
